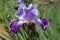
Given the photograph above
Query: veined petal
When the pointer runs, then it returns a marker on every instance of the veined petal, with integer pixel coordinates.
(30, 16)
(14, 26)
(27, 13)
(31, 12)
(33, 8)
(20, 14)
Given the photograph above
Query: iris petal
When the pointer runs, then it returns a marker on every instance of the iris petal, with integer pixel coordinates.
(32, 8)
(19, 13)
(43, 26)
(28, 13)
(14, 25)
(43, 23)
(31, 12)
(30, 16)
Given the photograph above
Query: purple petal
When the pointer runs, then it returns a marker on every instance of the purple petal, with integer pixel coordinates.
(30, 16)
(44, 26)
(19, 13)
(28, 10)
(8, 15)
(30, 13)
(44, 21)
(14, 26)
(31, 8)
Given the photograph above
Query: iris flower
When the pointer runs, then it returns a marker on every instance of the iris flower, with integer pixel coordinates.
(26, 14)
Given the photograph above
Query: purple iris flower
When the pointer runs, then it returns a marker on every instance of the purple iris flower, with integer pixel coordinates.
(8, 15)
(26, 14)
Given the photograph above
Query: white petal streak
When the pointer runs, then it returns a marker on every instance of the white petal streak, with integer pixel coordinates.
(30, 5)
(22, 22)
(39, 21)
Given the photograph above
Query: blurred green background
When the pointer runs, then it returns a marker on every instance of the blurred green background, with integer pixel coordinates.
(51, 12)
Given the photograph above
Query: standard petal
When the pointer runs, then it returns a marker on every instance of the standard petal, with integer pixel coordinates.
(30, 16)
(31, 12)
(32, 8)
(14, 26)
(19, 13)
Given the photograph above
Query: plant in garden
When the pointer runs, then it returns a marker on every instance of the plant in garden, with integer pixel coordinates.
(25, 15)
(31, 30)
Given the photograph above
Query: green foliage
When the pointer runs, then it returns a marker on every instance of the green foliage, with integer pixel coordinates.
(51, 12)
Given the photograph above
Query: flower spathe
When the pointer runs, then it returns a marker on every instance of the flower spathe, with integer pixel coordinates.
(26, 14)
